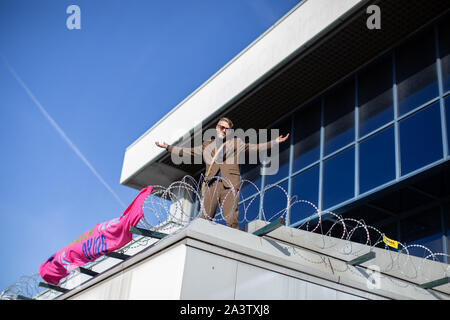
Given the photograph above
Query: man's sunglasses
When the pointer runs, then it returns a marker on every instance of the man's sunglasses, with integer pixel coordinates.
(223, 128)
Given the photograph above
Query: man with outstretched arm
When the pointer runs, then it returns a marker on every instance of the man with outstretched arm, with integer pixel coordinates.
(222, 176)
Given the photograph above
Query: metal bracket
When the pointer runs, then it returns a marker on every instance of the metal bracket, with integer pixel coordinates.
(270, 227)
(361, 259)
(147, 233)
(117, 255)
(52, 287)
(87, 271)
(435, 283)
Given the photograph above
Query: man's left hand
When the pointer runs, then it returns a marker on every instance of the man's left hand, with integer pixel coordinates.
(281, 139)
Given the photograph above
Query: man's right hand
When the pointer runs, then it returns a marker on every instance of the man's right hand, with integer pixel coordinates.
(163, 145)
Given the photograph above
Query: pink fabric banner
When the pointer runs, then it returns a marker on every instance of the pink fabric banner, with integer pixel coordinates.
(103, 238)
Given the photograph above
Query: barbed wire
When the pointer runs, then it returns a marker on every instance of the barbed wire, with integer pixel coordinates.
(170, 209)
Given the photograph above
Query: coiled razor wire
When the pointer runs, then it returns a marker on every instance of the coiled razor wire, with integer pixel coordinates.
(169, 210)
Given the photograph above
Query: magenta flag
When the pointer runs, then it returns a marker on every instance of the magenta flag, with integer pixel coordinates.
(103, 238)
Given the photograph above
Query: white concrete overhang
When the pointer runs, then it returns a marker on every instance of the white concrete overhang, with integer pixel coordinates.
(314, 45)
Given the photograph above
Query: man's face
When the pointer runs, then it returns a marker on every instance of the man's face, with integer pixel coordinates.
(222, 129)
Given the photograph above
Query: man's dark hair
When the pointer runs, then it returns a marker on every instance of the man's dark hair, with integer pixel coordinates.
(230, 123)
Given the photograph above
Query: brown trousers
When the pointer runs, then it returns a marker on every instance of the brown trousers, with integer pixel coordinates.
(217, 193)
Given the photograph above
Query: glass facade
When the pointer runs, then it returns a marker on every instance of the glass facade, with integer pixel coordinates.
(387, 122)
(419, 136)
(305, 186)
(373, 128)
(447, 114)
(375, 99)
(283, 154)
(339, 117)
(274, 201)
(306, 136)
(338, 178)
(416, 72)
(251, 180)
(423, 230)
(377, 160)
(444, 52)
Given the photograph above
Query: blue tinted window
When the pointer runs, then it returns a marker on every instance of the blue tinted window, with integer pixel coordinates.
(447, 116)
(375, 106)
(339, 178)
(416, 72)
(250, 172)
(444, 52)
(420, 139)
(447, 218)
(339, 117)
(423, 229)
(305, 186)
(248, 210)
(283, 155)
(307, 136)
(274, 201)
(377, 160)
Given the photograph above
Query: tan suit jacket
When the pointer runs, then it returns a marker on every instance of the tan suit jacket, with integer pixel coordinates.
(229, 165)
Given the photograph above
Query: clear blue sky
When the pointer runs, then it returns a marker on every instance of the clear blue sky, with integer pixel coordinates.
(103, 86)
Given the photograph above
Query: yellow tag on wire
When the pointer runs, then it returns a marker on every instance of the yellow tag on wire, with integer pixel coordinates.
(390, 242)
